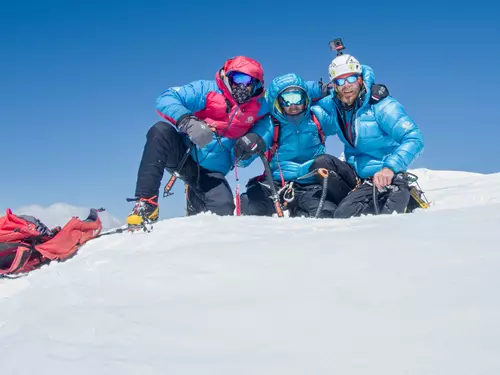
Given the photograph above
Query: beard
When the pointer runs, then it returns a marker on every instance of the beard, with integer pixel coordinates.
(350, 97)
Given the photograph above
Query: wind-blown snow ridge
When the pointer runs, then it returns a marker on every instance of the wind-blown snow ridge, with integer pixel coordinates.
(455, 189)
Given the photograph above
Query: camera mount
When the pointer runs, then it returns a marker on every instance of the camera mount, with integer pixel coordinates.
(337, 45)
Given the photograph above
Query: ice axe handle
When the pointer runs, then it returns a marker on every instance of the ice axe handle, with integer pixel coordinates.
(274, 193)
(323, 172)
(175, 174)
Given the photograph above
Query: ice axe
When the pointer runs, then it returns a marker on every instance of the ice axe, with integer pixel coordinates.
(323, 173)
(376, 207)
(274, 194)
(176, 173)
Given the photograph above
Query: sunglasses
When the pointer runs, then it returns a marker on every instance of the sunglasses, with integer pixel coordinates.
(292, 98)
(342, 81)
(238, 78)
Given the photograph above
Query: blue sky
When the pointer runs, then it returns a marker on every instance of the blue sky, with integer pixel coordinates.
(79, 80)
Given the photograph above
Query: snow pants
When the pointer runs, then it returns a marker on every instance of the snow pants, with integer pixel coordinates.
(341, 179)
(256, 201)
(360, 201)
(164, 149)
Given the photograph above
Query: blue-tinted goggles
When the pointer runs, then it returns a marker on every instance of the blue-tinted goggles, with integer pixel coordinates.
(342, 81)
(289, 98)
(237, 78)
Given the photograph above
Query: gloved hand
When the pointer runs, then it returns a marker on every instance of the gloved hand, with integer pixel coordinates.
(378, 93)
(249, 145)
(198, 130)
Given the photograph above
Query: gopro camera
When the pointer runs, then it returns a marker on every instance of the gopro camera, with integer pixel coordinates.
(337, 45)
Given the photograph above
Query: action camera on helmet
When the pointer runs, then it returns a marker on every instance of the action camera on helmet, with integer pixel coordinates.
(337, 45)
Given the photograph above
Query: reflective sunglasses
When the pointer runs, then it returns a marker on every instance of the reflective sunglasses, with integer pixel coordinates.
(342, 81)
(238, 78)
(292, 98)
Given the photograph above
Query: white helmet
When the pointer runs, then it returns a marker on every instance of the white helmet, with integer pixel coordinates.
(343, 64)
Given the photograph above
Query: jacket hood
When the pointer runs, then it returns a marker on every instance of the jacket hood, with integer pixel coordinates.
(242, 64)
(282, 83)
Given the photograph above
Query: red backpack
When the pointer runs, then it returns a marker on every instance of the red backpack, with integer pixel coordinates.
(26, 243)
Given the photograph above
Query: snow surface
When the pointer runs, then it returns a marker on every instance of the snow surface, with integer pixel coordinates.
(400, 294)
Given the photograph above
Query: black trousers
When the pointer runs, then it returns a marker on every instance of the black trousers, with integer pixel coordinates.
(341, 180)
(164, 149)
(359, 202)
(256, 201)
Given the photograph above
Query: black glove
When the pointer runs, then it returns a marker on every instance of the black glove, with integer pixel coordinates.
(378, 93)
(249, 145)
(197, 130)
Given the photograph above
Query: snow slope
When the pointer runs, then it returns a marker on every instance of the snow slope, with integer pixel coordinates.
(401, 294)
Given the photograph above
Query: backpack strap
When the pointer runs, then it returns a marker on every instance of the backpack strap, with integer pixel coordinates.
(14, 257)
(318, 126)
(270, 153)
(276, 138)
(276, 135)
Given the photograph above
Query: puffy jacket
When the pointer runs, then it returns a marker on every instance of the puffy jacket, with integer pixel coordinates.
(299, 142)
(382, 135)
(212, 102)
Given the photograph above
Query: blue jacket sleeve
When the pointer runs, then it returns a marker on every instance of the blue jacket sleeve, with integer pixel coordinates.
(304, 169)
(291, 171)
(265, 128)
(178, 101)
(326, 113)
(315, 90)
(392, 118)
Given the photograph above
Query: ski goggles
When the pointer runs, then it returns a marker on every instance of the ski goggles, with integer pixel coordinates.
(342, 81)
(238, 78)
(289, 98)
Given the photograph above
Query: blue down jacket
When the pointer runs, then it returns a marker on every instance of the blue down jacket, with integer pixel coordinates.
(299, 140)
(382, 135)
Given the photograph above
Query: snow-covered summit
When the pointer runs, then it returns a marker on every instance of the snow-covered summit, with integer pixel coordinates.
(401, 294)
